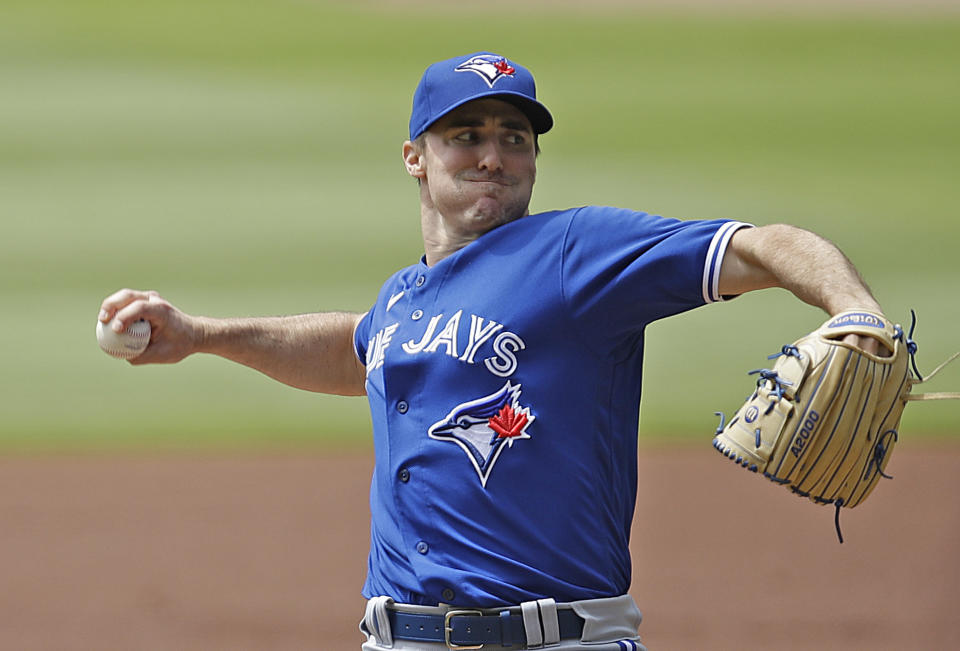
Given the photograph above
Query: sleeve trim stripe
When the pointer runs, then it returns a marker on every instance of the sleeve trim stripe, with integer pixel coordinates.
(711, 267)
(356, 350)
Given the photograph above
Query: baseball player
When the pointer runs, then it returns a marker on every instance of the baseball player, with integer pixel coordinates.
(503, 372)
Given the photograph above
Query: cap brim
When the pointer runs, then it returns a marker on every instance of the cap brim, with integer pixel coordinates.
(537, 113)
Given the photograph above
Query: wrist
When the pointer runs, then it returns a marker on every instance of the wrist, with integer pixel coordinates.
(854, 305)
(205, 333)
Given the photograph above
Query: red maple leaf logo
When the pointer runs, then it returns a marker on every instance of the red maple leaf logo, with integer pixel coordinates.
(504, 68)
(509, 423)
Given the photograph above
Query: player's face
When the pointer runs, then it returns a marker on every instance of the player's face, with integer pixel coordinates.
(477, 166)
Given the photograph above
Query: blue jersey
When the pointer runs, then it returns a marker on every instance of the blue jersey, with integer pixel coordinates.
(504, 389)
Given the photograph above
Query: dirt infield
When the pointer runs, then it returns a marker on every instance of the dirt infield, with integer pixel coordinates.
(268, 552)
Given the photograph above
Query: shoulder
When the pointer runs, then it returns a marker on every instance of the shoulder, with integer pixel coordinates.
(592, 217)
(595, 219)
(609, 228)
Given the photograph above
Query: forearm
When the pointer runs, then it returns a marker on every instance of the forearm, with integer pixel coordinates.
(311, 351)
(809, 266)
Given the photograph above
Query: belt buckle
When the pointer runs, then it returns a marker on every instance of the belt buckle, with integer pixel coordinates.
(448, 629)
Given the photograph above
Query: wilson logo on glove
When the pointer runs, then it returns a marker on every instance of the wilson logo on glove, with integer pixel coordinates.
(857, 319)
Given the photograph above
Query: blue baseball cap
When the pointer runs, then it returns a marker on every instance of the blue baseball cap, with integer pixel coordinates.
(446, 85)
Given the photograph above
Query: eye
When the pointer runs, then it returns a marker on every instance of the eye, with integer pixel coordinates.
(465, 137)
(464, 422)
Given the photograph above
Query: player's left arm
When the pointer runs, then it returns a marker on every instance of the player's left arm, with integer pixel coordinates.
(804, 263)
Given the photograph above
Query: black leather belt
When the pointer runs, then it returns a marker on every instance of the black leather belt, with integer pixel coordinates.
(471, 629)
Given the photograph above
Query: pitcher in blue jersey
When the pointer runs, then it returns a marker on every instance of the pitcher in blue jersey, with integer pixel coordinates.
(503, 372)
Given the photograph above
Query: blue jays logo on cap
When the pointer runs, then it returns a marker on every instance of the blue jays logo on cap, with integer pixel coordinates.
(449, 84)
(484, 427)
(489, 66)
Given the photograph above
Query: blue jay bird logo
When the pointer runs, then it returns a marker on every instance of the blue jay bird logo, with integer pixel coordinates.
(485, 426)
(489, 66)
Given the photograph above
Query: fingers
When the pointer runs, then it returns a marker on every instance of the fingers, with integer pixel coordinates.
(870, 345)
(173, 335)
(867, 344)
(128, 305)
(153, 309)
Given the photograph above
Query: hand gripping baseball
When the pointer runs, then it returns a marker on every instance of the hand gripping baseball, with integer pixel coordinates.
(173, 334)
(824, 420)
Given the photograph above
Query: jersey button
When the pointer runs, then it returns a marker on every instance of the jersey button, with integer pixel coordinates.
(403, 407)
(448, 594)
(417, 315)
(423, 547)
(421, 280)
(404, 475)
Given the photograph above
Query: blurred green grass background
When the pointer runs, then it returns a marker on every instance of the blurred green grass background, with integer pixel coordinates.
(243, 158)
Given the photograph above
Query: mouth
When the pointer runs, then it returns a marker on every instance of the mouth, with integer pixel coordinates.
(490, 181)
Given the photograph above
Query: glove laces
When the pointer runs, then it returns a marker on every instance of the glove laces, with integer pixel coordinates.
(789, 350)
(909, 342)
(836, 518)
(777, 383)
(912, 349)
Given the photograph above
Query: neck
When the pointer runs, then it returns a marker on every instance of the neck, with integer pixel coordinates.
(444, 235)
(439, 241)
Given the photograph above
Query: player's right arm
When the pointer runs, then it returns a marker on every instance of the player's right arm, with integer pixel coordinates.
(314, 352)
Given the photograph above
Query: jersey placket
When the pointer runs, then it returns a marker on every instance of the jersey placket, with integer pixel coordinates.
(403, 390)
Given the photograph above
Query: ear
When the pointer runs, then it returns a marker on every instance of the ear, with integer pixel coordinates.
(414, 160)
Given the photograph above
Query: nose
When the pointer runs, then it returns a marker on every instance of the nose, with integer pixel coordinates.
(490, 156)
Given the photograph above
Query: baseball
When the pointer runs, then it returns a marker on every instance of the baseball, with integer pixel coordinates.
(123, 345)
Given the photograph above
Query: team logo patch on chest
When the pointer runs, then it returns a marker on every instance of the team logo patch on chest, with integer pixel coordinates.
(484, 427)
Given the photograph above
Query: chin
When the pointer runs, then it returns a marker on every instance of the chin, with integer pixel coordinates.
(482, 223)
(496, 213)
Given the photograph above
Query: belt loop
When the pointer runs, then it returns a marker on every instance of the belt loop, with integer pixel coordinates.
(376, 622)
(506, 631)
(531, 624)
(548, 618)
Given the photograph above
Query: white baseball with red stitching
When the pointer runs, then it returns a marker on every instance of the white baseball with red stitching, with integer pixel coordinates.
(123, 345)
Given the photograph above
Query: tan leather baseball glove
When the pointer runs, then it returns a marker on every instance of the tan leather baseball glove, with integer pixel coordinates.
(824, 420)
